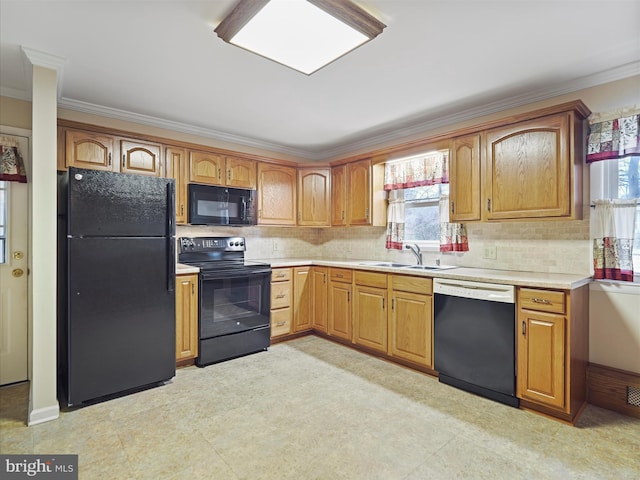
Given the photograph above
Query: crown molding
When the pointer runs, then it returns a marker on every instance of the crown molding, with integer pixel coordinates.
(369, 140)
(86, 107)
(390, 134)
(37, 58)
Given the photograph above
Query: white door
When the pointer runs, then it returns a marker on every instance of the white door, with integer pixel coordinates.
(14, 262)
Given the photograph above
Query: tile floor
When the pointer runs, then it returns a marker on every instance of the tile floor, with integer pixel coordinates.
(312, 409)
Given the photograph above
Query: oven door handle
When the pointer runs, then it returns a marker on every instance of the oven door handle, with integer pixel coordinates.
(218, 276)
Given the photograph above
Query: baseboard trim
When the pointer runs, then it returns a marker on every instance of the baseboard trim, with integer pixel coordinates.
(607, 388)
(41, 415)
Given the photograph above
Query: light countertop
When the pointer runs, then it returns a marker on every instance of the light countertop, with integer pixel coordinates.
(561, 281)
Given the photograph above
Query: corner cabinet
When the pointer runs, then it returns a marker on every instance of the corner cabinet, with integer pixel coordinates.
(370, 310)
(276, 194)
(533, 169)
(319, 286)
(186, 317)
(553, 350)
(302, 299)
(357, 195)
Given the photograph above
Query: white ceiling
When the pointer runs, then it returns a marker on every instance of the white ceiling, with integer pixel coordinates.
(160, 63)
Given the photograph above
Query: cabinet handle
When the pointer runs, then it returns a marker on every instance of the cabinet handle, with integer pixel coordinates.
(393, 304)
(342, 218)
(193, 289)
(182, 209)
(383, 303)
(260, 213)
(280, 275)
(366, 213)
(524, 328)
(348, 297)
(280, 324)
(123, 160)
(229, 174)
(109, 159)
(488, 204)
(544, 301)
(339, 275)
(280, 296)
(453, 209)
(219, 174)
(324, 278)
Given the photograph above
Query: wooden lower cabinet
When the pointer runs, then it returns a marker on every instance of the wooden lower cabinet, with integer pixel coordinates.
(411, 319)
(302, 299)
(541, 366)
(370, 328)
(553, 350)
(319, 287)
(186, 317)
(339, 311)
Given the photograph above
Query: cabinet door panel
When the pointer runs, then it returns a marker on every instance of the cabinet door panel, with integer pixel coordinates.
(186, 317)
(276, 195)
(140, 158)
(465, 179)
(370, 317)
(206, 168)
(89, 150)
(541, 362)
(302, 299)
(340, 310)
(320, 298)
(359, 193)
(241, 173)
(411, 327)
(176, 159)
(314, 203)
(528, 170)
(339, 195)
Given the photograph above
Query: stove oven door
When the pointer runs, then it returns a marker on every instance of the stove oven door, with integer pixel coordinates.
(232, 302)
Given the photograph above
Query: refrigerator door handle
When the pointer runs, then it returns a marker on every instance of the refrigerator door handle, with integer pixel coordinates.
(171, 226)
(171, 267)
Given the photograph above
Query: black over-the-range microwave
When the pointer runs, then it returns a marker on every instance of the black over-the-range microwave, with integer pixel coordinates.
(212, 205)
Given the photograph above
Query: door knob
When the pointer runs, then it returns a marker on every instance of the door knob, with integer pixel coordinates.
(17, 272)
(18, 255)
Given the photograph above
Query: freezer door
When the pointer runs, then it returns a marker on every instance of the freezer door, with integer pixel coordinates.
(116, 204)
(121, 316)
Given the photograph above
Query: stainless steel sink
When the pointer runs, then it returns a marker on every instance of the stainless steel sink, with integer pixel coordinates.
(430, 267)
(387, 264)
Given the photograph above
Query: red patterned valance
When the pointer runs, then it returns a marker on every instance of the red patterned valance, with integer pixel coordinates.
(613, 136)
(419, 171)
(11, 162)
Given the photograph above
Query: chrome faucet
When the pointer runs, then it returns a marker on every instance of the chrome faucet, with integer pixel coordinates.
(415, 249)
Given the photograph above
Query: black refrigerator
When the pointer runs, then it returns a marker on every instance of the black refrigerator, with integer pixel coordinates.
(116, 282)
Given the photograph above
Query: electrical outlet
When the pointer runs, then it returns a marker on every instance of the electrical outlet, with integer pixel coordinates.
(275, 247)
(490, 252)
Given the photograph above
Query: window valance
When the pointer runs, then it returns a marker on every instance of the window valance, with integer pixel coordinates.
(426, 169)
(614, 135)
(11, 162)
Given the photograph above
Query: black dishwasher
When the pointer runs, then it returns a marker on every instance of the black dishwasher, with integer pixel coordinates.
(474, 338)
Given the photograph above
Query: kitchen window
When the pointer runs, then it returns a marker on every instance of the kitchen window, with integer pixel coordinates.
(619, 179)
(4, 195)
(422, 214)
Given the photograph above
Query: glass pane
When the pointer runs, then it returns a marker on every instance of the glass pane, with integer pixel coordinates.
(422, 223)
(430, 192)
(629, 177)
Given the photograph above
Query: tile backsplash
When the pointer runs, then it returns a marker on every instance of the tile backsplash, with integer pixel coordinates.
(549, 246)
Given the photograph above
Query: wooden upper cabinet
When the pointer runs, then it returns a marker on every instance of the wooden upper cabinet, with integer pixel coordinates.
(276, 194)
(177, 168)
(314, 197)
(206, 167)
(359, 193)
(241, 173)
(464, 171)
(140, 157)
(339, 195)
(89, 150)
(529, 170)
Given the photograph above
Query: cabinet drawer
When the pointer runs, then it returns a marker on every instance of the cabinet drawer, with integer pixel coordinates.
(542, 300)
(280, 295)
(281, 275)
(340, 275)
(406, 283)
(280, 322)
(371, 279)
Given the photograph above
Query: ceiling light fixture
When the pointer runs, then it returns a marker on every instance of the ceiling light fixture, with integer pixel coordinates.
(304, 35)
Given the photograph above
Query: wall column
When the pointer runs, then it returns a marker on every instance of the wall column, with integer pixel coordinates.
(43, 400)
